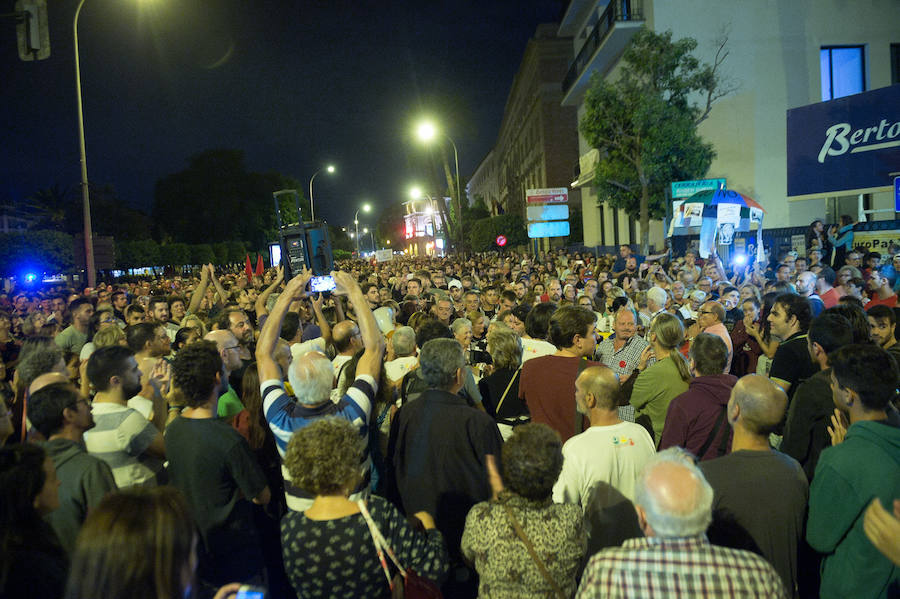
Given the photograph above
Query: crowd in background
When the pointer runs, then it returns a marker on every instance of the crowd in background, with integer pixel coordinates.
(500, 425)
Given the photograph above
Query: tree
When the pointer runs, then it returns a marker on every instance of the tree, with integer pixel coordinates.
(202, 253)
(217, 199)
(645, 122)
(137, 254)
(484, 232)
(37, 251)
(174, 254)
(55, 207)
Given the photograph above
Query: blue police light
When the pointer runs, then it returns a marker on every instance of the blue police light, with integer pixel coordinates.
(740, 259)
(30, 277)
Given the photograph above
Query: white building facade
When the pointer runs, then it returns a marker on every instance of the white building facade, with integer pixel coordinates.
(782, 55)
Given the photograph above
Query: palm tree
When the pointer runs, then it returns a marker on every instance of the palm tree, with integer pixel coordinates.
(52, 206)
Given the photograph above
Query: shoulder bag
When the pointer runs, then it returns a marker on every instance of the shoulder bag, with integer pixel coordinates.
(406, 583)
(534, 556)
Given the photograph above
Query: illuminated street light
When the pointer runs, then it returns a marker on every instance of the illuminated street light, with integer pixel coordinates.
(312, 211)
(427, 131)
(365, 208)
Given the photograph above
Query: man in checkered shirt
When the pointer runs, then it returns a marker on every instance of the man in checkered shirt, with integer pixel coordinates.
(674, 507)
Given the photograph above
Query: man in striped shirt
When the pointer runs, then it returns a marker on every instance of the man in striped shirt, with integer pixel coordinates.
(312, 378)
(122, 437)
(674, 507)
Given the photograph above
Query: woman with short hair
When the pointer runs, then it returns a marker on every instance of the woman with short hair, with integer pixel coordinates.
(328, 549)
(532, 460)
(500, 389)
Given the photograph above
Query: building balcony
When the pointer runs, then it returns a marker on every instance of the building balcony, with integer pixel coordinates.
(612, 32)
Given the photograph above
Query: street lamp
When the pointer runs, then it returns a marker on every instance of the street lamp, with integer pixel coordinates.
(365, 208)
(427, 131)
(312, 211)
(85, 192)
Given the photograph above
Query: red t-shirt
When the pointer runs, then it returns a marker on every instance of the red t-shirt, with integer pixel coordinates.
(830, 298)
(890, 302)
(547, 386)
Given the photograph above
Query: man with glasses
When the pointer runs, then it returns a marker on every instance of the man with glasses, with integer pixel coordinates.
(230, 351)
(711, 319)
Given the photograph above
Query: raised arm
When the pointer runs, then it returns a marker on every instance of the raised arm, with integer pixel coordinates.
(373, 341)
(263, 297)
(271, 330)
(199, 291)
(212, 275)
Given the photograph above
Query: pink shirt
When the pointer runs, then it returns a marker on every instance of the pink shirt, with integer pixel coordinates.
(719, 330)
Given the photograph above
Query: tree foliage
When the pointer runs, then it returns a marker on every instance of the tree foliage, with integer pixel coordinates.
(38, 251)
(217, 199)
(484, 232)
(645, 122)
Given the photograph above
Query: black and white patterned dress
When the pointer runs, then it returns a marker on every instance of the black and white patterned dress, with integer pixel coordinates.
(336, 558)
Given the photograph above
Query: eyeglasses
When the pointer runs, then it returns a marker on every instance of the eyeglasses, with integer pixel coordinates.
(231, 347)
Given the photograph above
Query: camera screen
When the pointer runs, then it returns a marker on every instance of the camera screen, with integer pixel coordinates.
(324, 283)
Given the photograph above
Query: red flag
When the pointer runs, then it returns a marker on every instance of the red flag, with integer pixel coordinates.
(259, 265)
(247, 267)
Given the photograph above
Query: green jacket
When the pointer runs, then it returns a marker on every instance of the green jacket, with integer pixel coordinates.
(654, 389)
(848, 476)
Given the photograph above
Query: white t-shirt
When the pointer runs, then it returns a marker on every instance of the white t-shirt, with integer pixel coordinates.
(612, 454)
(535, 348)
(395, 369)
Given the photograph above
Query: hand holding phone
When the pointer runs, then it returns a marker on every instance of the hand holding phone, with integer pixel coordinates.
(321, 284)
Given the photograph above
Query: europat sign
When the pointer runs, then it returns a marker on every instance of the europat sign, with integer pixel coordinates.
(846, 146)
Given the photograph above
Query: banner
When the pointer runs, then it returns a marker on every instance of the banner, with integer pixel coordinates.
(848, 145)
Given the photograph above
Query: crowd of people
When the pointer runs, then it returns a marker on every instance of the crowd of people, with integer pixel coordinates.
(500, 425)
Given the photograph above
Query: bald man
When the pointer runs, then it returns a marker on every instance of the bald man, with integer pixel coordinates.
(347, 341)
(711, 319)
(229, 348)
(746, 480)
(610, 450)
(673, 502)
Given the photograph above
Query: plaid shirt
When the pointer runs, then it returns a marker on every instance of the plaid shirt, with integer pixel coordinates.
(689, 567)
(625, 360)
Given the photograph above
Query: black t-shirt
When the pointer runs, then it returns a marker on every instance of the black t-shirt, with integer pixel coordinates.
(744, 483)
(792, 362)
(213, 466)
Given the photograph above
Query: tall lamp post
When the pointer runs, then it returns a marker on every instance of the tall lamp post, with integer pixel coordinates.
(427, 131)
(85, 191)
(312, 210)
(364, 208)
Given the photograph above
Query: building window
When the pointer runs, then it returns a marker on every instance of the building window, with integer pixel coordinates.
(843, 71)
(895, 63)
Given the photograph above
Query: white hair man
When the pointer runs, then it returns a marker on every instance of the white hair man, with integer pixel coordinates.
(673, 502)
(402, 351)
(657, 298)
(312, 378)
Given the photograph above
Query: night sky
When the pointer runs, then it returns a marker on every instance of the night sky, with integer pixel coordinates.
(293, 84)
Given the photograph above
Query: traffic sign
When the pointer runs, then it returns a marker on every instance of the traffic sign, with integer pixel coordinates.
(549, 195)
(547, 212)
(555, 228)
(501, 240)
